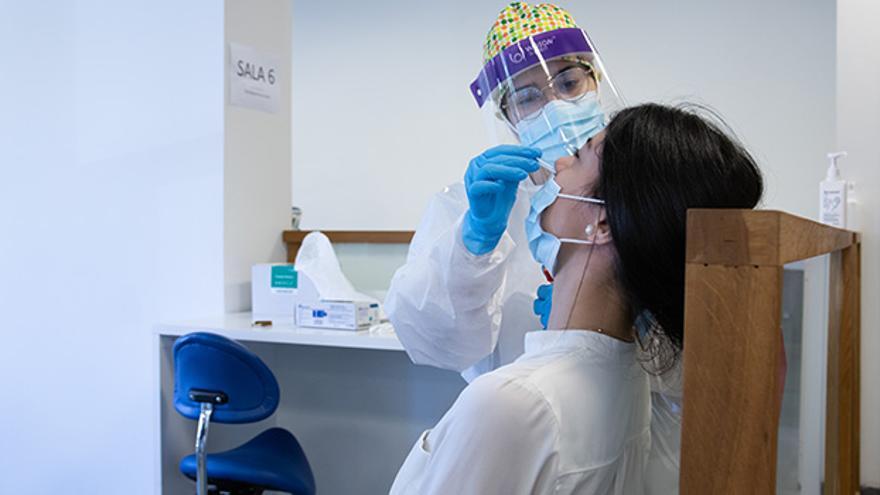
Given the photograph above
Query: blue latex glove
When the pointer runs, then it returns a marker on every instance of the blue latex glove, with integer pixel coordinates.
(542, 304)
(491, 181)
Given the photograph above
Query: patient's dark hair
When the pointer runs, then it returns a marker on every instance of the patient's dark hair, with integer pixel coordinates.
(657, 162)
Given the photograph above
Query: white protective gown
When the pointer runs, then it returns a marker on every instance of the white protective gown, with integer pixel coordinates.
(457, 311)
(570, 416)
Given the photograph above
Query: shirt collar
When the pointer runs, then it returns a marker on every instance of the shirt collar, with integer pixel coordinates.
(564, 340)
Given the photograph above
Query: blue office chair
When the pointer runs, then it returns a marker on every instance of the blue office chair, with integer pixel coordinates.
(218, 379)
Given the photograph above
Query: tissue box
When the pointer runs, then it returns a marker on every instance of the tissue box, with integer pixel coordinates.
(339, 315)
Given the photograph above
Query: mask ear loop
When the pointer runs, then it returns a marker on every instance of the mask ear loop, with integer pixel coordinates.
(590, 228)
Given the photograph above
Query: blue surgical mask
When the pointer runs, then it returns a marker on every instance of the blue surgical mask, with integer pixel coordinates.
(562, 127)
(544, 245)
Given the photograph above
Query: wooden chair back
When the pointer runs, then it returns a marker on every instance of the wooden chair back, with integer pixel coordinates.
(733, 349)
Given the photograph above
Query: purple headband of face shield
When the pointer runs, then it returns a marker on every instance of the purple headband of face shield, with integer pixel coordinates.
(521, 55)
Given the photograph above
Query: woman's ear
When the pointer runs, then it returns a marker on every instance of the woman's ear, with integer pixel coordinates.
(602, 234)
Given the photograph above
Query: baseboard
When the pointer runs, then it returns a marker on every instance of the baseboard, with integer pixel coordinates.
(867, 490)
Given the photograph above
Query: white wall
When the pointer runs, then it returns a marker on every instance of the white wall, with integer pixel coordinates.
(858, 119)
(111, 219)
(257, 154)
(382, 117)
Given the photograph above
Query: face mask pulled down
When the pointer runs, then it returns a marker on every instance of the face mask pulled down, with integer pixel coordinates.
(544, 245)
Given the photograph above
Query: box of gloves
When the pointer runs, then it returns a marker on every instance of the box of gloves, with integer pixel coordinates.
(338, 315)
(276, 288)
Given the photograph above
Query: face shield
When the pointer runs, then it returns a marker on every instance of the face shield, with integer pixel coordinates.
(548, 91)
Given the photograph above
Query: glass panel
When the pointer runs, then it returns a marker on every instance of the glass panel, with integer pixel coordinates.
(801, 435)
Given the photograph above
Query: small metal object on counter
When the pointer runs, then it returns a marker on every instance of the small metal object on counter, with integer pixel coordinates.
(295, 216)
(262, 323)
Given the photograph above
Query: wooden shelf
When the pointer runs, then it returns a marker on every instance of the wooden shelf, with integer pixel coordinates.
(293, 238)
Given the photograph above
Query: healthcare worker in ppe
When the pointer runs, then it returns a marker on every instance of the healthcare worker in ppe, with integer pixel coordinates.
(573, 413)
(465, 297)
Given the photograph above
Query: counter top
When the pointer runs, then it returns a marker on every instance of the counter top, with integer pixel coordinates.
(237, 326)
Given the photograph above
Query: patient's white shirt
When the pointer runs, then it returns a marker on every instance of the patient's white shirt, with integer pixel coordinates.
(571, 415)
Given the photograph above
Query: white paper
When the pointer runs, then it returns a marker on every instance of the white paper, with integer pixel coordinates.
(254, 78)
(317, 259)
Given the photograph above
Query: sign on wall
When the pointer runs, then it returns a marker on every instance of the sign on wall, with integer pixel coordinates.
(253, 78)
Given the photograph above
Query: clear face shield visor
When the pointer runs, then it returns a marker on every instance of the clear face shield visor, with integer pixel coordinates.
(549, 91)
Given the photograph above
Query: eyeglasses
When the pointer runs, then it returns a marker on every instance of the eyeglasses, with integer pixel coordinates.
(570, 85)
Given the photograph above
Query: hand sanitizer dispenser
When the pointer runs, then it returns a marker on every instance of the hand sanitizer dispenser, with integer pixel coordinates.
(832, 194)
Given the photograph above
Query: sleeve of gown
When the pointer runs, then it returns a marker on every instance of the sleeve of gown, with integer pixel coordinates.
(445, 303)
(499, 438)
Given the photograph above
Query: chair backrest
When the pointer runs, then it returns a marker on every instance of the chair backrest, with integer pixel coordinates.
(733, 323)
(206, 361)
